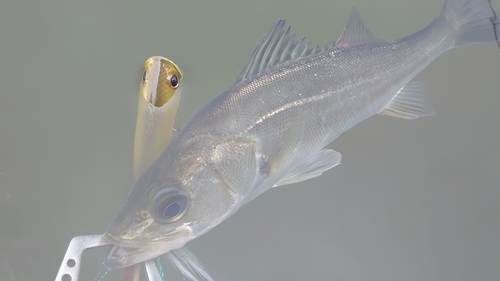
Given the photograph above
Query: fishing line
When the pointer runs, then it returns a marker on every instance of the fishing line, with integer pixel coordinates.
(100, 276)
(160, 268)
(493, 20)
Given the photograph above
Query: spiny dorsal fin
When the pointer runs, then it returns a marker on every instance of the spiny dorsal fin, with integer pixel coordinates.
(357, 33)
(276, 48)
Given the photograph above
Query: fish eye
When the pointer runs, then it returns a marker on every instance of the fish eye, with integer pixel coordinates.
(170, 205)
(144, 76)
(174, 81)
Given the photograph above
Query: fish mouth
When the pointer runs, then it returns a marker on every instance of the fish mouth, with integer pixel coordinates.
(118, 256)
(138, 239)
(126, 253)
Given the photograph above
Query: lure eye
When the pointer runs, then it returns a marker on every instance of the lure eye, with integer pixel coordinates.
(170, 205)
(144, 76)
(174, 81)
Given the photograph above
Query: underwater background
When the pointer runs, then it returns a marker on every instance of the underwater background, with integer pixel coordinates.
(412, 200)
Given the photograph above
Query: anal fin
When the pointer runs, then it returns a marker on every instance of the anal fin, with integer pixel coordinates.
(411, 102)
(313, 167)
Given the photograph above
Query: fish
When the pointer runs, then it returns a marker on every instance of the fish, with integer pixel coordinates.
(272, 126)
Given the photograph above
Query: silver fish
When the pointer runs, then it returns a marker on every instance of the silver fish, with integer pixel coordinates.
(271, 127)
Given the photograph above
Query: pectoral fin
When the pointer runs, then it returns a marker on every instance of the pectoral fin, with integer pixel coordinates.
(411, 102)
(313, 167)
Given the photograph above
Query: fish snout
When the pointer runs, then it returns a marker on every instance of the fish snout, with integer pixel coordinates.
(125, 232)
(126, 228)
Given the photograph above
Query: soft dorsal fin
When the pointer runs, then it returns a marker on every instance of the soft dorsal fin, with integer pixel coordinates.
(356, 33)
(279, 46)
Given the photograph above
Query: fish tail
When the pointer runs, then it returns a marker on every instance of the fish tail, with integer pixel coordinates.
(471, 21)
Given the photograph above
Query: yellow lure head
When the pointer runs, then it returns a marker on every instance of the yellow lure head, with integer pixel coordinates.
(160, 79)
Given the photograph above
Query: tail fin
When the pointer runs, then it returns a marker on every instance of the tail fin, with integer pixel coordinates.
(473, 21)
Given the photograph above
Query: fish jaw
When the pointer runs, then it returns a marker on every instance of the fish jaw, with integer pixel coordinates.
(132, 242)
(129, 252)
(119, 257)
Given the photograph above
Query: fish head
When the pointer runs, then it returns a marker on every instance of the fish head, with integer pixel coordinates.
(182, 196)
